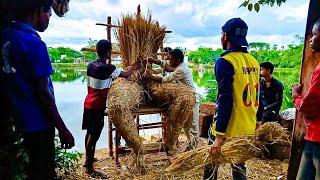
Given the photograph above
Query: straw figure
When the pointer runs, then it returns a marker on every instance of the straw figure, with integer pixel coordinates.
(140, 37)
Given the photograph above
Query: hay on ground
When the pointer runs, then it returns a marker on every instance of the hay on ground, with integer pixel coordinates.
(236, 150)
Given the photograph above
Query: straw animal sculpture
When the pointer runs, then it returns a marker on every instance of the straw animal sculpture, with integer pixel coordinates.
(140, 37)
(235, 150)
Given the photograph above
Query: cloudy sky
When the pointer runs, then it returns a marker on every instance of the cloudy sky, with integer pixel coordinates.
(194, 22)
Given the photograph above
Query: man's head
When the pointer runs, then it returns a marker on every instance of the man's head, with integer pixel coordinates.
(266, 69)
(234, 34)
(34, 12)
(104, 48)
(315, 39)
(176, 57)
(167, 50)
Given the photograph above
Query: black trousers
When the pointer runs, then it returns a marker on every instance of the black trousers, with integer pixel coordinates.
(40, 146)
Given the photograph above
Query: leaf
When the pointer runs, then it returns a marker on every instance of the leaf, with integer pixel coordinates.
(250, 6)
(244, 4)
(257, 7)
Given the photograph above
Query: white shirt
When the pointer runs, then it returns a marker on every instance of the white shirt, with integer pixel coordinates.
(181, 74)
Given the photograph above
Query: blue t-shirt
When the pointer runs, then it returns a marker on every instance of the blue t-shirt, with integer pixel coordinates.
(25, 58)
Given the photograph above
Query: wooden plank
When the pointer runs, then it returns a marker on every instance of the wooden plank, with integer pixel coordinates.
(309, 62)
(108, 25)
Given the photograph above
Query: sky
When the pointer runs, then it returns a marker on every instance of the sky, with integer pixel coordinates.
(194, 23)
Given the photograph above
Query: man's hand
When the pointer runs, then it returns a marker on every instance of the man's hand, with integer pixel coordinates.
(150, 60)
(296, 89)
(66, 139)
(216, 146)
(258, 125)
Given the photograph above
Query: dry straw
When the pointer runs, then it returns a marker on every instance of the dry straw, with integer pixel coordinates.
(235, 151)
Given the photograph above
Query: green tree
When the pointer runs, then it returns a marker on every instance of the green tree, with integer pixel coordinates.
(255, 4)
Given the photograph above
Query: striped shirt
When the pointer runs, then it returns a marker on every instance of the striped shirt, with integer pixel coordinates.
(100, 76)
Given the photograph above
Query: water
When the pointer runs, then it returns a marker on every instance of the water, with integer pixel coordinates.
(70, 91)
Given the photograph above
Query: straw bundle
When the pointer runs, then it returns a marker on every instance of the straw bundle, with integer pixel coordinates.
(123, 97)
(272, 132)
(139, 37)
(236, 150)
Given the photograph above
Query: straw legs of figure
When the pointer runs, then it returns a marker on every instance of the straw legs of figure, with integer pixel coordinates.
(310, 162)
(211, 171)
(194, 129)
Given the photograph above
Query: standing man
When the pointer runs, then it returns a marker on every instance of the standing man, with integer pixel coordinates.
(100, 75)
(26, 70)
(309, 105)
(180, 74)
(237, 74)
(271, 93)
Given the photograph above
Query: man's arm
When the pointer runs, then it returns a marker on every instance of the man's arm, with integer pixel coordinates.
(224, 75)
(163, 63)
(279, 96)
(309, 105)
(126, 74)
(49, 106)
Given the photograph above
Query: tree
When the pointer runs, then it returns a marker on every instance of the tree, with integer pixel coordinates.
(255, 4)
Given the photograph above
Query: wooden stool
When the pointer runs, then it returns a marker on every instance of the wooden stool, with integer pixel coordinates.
(141, 111)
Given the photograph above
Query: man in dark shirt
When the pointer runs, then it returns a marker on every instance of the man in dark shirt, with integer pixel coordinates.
(271, 93)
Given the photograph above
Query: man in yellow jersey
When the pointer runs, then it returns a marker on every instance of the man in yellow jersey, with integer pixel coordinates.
(237, 74)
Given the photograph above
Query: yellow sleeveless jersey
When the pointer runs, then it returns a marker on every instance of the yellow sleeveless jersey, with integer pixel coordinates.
(245, 95)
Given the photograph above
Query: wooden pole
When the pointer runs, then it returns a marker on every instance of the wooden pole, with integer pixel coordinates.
(309, 62)
(109, 33)
(109, 62)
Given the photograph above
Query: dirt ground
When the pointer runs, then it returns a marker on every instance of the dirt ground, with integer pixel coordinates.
(157, 162)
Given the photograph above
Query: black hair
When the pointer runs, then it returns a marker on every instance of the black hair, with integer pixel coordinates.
(167, 49)
(103, 46)
(267, 65)
(24, 8)
(177, 54)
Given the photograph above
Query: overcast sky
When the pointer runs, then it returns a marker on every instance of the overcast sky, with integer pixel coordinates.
(194, 22)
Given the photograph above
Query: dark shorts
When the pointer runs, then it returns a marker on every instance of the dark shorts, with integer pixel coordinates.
(93, 120)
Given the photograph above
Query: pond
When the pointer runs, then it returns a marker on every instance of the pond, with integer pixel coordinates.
(71, 88)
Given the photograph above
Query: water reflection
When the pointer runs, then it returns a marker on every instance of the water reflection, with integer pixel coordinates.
(69, 74)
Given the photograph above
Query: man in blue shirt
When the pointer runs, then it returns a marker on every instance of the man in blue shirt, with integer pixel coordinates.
(26, 75)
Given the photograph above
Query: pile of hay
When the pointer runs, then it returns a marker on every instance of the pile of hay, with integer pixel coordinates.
(235, 151)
